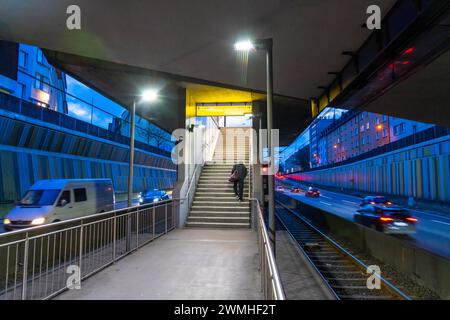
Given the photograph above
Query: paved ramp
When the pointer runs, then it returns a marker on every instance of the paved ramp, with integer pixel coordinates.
(184, 264)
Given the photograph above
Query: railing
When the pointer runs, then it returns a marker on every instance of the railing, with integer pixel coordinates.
(31, 110)
(41, 262)
(270, 279)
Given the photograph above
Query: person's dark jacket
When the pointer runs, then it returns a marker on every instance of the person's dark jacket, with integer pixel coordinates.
(241, 171)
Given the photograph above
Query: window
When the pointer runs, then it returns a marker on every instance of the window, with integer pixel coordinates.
(384, 118)
(21, 89)
(23, 59)
(399, 129)
(377, 136)
(362, 128)
(39, 197)
(80, 194)
(368, 140)
(356, 131)
(367, 125)
(362, 141)
(41, 83)
(377, 120)
(385, 133)
(65, 196)
(40, 57)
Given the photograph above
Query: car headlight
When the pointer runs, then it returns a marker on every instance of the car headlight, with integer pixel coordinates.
(155, 200)
(38, 221)
(6, 221)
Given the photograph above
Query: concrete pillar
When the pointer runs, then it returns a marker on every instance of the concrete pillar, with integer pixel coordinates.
(181, 167)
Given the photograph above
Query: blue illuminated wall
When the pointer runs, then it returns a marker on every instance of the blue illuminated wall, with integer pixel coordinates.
(30, 152)
(421, 171)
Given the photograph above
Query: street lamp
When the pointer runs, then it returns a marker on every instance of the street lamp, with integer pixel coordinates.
(266, 45)
(147, 96)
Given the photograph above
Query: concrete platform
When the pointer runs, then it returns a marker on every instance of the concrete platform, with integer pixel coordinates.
(184, 264)
(300, 281)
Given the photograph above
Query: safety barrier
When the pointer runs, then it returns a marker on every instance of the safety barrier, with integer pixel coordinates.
(270, 279)
(41, 262)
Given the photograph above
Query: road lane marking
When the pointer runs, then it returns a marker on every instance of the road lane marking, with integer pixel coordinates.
(441, 222)
(349, 202)
(325, 197)
(328, 204)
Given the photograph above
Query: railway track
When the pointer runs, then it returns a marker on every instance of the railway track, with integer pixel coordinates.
(345, 275)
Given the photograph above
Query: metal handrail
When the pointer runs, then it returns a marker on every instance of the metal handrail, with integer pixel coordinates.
(39, 264)
(270, 278)
(192, 180)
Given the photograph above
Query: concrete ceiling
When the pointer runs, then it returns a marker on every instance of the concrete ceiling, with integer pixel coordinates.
(195, 38)
(427, 103)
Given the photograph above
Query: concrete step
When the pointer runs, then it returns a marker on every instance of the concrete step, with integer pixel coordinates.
(231, 203)
(211, 198)
(229, 189)
(212, 176)
(219, 182)
(218, 185)
(231, 155)
(214, 194)
(222, 208)
(221, 204)
(218, 214)
(219, 219)
(217, 225)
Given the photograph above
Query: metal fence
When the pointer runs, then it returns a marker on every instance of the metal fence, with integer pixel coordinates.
(270, 279)
(41, 262)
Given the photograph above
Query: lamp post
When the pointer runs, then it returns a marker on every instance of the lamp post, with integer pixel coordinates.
(147, 96)
(266, 45)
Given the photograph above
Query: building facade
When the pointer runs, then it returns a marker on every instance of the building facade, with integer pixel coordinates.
(359, 132)
(36, 80)
(336, 136)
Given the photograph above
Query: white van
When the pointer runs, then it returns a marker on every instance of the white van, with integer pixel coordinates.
(49, 201)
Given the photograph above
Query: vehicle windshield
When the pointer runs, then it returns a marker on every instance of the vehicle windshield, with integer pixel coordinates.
(40, 197)
(382, 200)
(152, 193)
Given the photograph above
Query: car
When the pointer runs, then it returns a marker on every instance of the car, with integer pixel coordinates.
(313, 193)
(152, 196)
(49, 201)
(280, 189)
(386, 218)
(375, 200)
(296, 190)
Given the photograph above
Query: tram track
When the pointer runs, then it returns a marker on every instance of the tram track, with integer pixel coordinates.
(344, 274)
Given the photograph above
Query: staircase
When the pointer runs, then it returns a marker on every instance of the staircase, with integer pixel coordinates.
(215, 205)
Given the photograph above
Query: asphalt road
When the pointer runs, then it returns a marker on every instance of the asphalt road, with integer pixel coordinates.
(433, 231)
(119, 205)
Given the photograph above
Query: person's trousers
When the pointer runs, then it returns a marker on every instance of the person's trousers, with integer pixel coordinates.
(239, 188)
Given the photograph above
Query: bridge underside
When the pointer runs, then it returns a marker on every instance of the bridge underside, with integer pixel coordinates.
(122, 83)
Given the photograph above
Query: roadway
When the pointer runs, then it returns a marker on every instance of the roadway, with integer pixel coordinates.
(433, 230)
